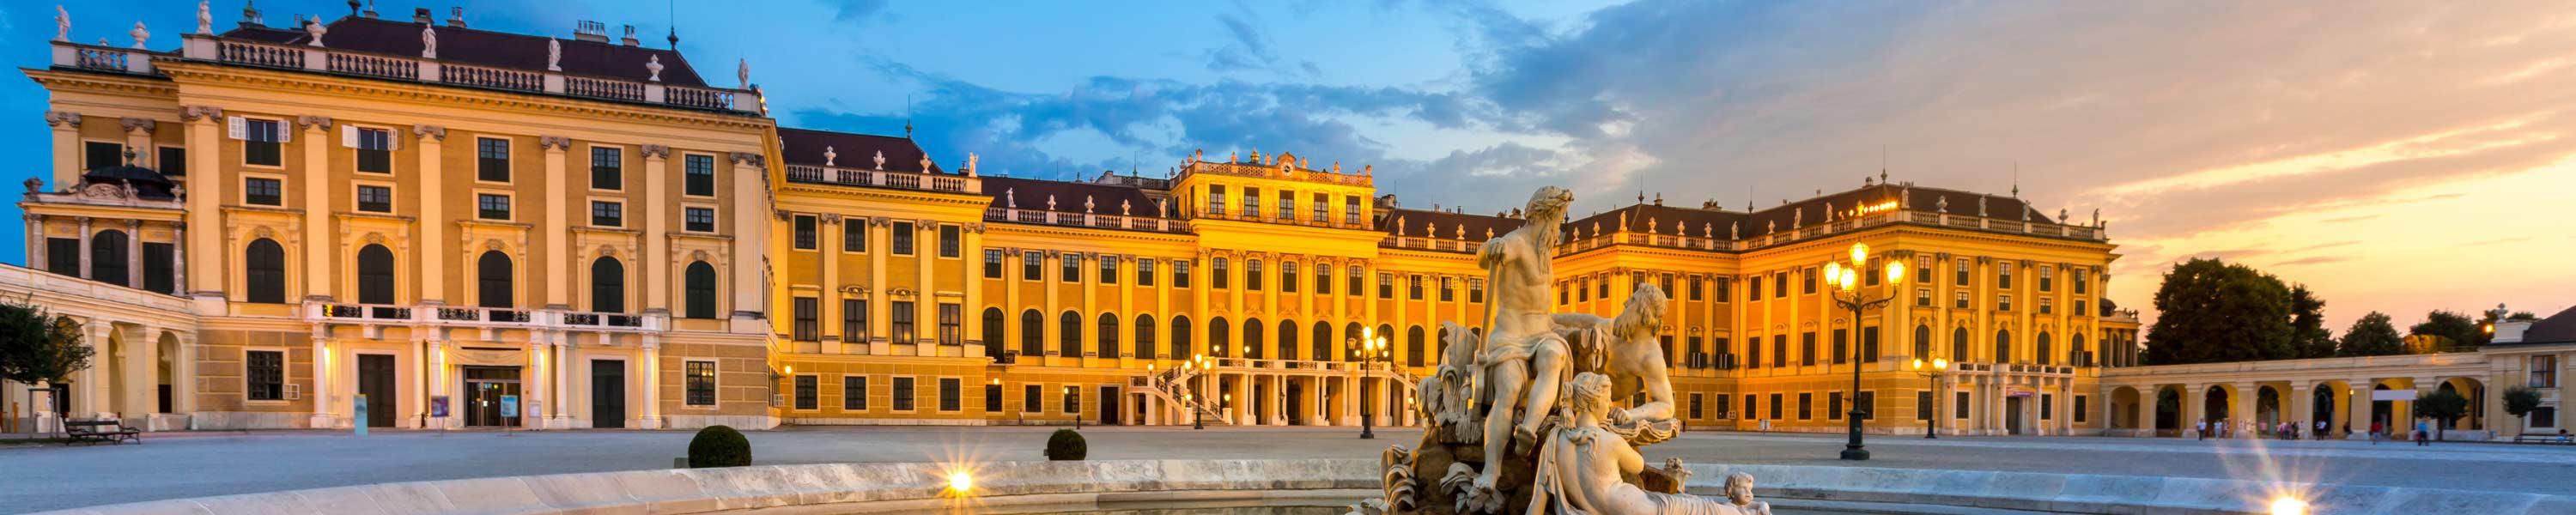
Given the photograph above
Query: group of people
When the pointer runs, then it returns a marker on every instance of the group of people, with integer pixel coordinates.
(2422, 434)
(2285, 430)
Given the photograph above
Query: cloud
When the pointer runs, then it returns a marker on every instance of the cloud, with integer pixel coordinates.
(2313, 260)
(848, 11)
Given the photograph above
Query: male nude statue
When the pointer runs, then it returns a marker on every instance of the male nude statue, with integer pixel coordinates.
(1522, 358)
(1635, 362)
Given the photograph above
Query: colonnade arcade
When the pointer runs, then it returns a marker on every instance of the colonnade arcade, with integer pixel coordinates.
(2171, 400)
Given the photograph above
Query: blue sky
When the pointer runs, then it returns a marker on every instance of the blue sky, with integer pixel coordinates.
(2396, 156)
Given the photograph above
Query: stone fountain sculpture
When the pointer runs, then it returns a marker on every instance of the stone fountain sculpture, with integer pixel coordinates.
(1522, 420)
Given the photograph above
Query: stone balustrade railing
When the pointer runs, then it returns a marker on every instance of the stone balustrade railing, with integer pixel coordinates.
(478, 317)
(1585, 241)
(1096, 221)
(207, 48)
(810, 174)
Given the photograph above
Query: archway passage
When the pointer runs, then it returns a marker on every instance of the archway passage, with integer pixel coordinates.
(2124, 409)
(2267, 405)
(2169, 412)
(2323, 408)
(2213, 407)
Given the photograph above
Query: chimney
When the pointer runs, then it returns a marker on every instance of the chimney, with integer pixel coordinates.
(629, 40)
(456, 17)
(586, 30)
(420, 15)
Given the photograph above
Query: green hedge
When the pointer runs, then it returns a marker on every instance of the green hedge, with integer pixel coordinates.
(1066, 445)
(719, 446)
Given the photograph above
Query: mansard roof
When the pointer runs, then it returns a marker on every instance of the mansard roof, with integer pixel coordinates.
(851, 150)
(487, 48)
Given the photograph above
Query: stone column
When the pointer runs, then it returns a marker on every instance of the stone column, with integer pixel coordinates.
(205, 212)
(751, 198)
(87, 262)
(828, 258)
(1243, 404)
(557, 228)
(880, 301)
(972, 252)
(433, 222)
(139, 358)
(650, 368)
(183, 380)
(657, 211)
(323, 410)
(178, 256)
(2302, 407)
(2360, 406)
(36, 258)
(314, 171)
(133, 254)
(421, 371)
(2147, 410)
(2240, 408)
(92, 394)
(925, 305)
(2192, 399)
(67, 147)
(437, 380)
(561, 414)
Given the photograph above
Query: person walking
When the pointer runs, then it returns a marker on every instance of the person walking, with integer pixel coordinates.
(2200, 430)
(2375, 427)
(2423, 432)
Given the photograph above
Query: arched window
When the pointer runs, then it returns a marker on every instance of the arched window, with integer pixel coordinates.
(493, 281)
(1350, 336)
(1220, 338)
(1323, 347)
(2044, 348)
(1181, 335)
(1923, 342)
(993, 333)
(1287, 338)
(700, 292)
(375, 275)
(1068, 333)
(1145, 338)
(264, 272)
(1108, 344)
(1959, 344)
(1252, 339)
(1032, 333)
(2075, 350)
(1386, 331)
(607, 285)
(2003, 346)
(107, 256)
(1413, 346)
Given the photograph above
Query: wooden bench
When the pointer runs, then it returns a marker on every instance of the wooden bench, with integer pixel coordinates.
(96, 431)
(2544, 439)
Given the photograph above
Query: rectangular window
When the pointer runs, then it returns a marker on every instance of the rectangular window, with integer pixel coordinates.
(261, 191)
(1318, 214)
(854, 234)
(1806, 406)
(1753, 407)
(1807, 282)
(1220, 277)
(1071, 271)
(807, 328)
(2045, 277)
(992, 264)
(698, 176)
(2003, 303)
(173, 161)
(2079, 309)
(1697, 288)
(1475, 290)
(1807, 349)
(1867, 405)
(607, 214)
(1959, 299)
(1251, 202)
(1252, 275)
(263, 142)
(1959, 406)
(952, 323)
(1029, 400)
(1413, 287)
(1324, 279)
(1144, 272)
(903, 394)
(2046, 306)
(951, 394)
(492, 160)
(1842, 346)
(1779, 285)
(1723, 411)
(1922, 297)
(1753, 290)
(1667, 285)
(808, 393)
(1923, 269)
(1604, 285)
(698, 219)
(854, 393)
(2076, 277)
(1780, 350)
(1287, 206)
(492, 207)
(1357, 280)
(2543, 417)
(902, 328)
(265, 370)
(804, 232)
(854, 320)
(1448, 289)
(993, 398)
(607, 168)
(1385, 285)
(1072, 399)
(700, 377)
(951, 244)
(375, 150)
(2544, 371)
(1923, 405)
(1032, 266)
(2079, 408)
(2047, 406)
(1350, 210)
(1288, 279)
(101, 154)
(1959, 272)
(1868, 344)
(1180, 273)
(903, 233)
(1834, 405)
(2003, 276)
(1753, 352)
(1216, 200)
(1722, 287)
(375, 199)
(1108, 269)
(1696, 410)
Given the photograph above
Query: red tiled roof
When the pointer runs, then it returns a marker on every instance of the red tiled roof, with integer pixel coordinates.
(488, 48)
(850, 150)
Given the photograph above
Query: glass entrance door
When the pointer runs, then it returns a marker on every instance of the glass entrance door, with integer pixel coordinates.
(484, 387)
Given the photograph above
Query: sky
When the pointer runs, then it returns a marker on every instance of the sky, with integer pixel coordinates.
(2393, 156)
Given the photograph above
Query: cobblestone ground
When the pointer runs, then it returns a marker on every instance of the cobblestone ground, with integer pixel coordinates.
(40, 477)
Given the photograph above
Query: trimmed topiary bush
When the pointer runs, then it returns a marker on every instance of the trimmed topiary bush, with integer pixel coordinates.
(1066, 445)
(719, 446)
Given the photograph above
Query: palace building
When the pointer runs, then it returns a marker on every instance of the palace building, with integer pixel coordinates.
(263, 225)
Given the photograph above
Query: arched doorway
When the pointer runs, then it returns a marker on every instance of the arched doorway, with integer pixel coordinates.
(2213, 406)
(2124, 409)
(2267, 405)
(2323, 408)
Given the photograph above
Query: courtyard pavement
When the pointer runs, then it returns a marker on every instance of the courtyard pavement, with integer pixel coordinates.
(174, 465)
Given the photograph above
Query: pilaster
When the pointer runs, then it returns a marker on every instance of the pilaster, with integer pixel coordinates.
(557, 230)
(315, 174)
(428, 140)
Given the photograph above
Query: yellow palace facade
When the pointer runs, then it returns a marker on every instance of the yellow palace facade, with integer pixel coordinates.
(466, 228)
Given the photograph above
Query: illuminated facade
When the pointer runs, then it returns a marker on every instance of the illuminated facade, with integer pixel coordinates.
(346, 209)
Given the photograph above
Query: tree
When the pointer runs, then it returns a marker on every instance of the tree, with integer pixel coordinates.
(2443, 406)
(2523, 316)
(2372, 335)
(35, 348)
(2450, 325)
(2519, 401)
(2308, 332)
(2210, 311)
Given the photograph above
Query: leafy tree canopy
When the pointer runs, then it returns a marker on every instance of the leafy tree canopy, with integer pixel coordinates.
(2450, 325)
(2372, 335)
(36, 348)
(2210, 311)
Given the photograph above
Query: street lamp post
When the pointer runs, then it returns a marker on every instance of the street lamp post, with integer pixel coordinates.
(1369, 345)
(1198, 414)
(1846, 278)
(1932, 376)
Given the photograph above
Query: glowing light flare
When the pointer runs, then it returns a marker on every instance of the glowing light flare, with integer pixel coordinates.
(961, 482)
(1860, 254)
(1833, 270)
(1895, 271)
(2286, 505)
